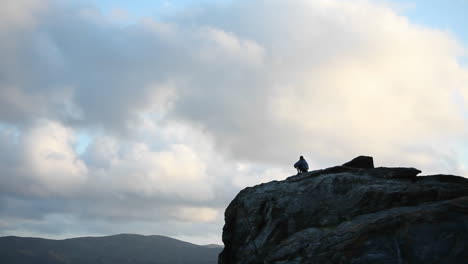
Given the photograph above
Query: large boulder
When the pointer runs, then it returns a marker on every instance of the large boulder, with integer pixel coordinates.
(346, 214)
(364, 162)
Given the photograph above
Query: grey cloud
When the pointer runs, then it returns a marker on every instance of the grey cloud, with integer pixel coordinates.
(104, 70)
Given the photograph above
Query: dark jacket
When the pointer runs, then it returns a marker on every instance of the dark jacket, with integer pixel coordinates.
(302, 165)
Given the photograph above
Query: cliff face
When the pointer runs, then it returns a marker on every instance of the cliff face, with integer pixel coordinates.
(350, 214)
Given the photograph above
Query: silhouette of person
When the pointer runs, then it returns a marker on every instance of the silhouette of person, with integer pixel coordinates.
(301, 165)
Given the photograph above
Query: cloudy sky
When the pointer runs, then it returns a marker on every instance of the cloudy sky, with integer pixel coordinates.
(149, 117)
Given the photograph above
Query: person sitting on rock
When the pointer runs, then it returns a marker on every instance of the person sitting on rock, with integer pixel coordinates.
(301, 165)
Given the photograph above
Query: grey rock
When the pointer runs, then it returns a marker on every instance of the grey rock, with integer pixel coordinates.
(364, 162)
(350, 215)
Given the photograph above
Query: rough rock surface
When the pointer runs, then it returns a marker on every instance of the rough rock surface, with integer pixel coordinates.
(350, 215)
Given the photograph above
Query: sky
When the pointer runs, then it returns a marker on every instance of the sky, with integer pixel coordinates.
(148, 117)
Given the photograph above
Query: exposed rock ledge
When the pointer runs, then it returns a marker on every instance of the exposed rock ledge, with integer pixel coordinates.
(350, 214)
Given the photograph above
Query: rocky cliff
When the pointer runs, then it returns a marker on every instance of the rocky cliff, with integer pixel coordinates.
(353, 213)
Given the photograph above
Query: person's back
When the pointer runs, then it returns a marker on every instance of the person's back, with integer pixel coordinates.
(301, 165)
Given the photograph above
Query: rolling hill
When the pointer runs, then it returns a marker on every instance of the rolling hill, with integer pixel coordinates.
(123, 248)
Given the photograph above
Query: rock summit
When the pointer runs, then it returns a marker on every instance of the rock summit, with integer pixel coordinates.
(353, 213)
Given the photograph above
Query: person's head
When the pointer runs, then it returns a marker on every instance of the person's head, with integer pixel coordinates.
(301, 157)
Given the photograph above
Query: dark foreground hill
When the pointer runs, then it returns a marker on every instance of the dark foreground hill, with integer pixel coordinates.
(353, 213)
(128, 249)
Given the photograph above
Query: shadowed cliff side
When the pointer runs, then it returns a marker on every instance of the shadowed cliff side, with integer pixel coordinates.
(353, 213)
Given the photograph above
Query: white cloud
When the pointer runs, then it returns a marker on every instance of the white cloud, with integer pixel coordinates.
(348, 77)
(119, 14)
(51, 160)
(42, 161)
(134, 168)
(202, 214)
(20, 13)
(230, 48)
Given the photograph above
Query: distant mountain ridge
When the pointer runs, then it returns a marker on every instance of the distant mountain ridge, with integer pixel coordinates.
(122, 248)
